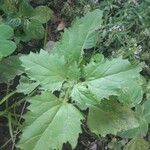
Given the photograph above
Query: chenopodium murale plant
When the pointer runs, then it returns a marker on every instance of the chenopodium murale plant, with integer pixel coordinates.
(108, 88)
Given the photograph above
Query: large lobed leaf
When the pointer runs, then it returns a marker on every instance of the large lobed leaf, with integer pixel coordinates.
(50, 123)
(109, 77)
(48, 70)
(82, 35)
(110, 117)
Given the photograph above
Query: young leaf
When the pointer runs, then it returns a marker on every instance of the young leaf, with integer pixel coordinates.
(110, 77)
(74, 72)
(49, 70)
(110, 117)
(80, 36)
(42, 14)
(83, 97)
(50, 123)
(9, 68)
(137, 144)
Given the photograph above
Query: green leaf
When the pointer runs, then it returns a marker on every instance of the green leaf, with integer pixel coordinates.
(6, 48)
(82, 35)
(6, 32)
(50, 123)
(15, 22)
(146, 110)
(137, 144)
(97, 58)
(9, 68)
(148, 90)
(25, 9)
(135, 132)
(34, 29)
(110, 117)
(49, 70)
(129, 95)
(8, 7)
(111, 68)
(26, 86)
(110, 77)
(143, 115)
(74, 72)
(83, 97)
(42, 14)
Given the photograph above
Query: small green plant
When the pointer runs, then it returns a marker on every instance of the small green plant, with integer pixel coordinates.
(9, 65)
(6, 45)
(107, 88)
(26, 20)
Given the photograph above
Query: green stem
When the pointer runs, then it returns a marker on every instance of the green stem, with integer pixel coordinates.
(67, 94)
(7, 91)
(10, 127)
(5, 144)
(7, 97)
(45, 38)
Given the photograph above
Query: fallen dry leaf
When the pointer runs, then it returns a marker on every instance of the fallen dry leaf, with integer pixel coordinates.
(61, 26)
